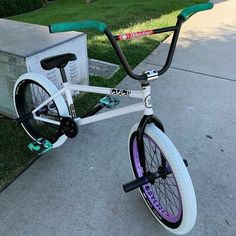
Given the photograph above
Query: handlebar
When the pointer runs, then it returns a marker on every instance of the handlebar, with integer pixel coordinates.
(69, 26)
(189, 11)
(101, 27)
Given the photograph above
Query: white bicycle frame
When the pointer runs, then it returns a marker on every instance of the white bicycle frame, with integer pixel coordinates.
(144, 94)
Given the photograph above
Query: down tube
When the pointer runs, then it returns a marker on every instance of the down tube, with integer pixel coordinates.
(111, 114)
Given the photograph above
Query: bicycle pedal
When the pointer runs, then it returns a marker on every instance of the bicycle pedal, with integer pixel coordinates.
(185, 162)
(109, 101)
(40, 146)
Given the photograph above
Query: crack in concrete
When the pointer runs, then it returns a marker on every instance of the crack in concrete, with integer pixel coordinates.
(194, 72)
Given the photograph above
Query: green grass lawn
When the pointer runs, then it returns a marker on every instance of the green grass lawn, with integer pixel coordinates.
(120, 17)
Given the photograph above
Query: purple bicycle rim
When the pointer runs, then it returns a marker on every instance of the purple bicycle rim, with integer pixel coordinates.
(148, 190)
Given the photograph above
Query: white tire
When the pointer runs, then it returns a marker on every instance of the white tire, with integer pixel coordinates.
(182, 179)
(51, 89)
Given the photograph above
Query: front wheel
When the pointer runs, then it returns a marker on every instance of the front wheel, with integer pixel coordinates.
(171, 198)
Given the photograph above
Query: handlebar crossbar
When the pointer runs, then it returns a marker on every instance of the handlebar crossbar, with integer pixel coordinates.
(102, 27)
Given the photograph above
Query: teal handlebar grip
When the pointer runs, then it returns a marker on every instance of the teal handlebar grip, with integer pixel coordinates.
(81, 25)
(189, 11)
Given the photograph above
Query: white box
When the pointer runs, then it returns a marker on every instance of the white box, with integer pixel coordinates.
(23, 46)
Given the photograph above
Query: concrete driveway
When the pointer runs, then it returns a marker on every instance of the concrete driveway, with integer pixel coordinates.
(77, 189)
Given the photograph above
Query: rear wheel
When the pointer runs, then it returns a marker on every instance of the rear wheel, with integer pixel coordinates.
(29, 94)
(171, 199)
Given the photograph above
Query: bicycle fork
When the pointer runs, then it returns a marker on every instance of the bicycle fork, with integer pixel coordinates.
(148, 118)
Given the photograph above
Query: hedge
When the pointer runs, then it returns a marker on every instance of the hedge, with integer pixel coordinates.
(16, 7)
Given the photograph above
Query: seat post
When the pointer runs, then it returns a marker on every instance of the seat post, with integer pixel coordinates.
(63, 74)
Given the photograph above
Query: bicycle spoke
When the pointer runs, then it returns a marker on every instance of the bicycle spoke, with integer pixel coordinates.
(152, 156)
(172, 193)
(165, 189)
(168, 200)
(153, 162)
(32, 95)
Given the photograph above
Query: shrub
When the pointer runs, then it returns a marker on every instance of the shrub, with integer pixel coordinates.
(16, 7)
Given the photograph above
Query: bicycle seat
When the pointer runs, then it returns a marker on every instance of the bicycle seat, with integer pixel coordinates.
(59, 61)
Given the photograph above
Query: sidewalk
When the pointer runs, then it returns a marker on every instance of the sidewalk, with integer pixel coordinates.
(77, 189)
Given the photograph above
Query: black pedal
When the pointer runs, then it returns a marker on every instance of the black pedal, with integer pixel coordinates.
(185, 162)
(139, 182)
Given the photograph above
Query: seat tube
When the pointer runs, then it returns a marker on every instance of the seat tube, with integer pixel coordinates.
(70, 101)
(147, 99)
